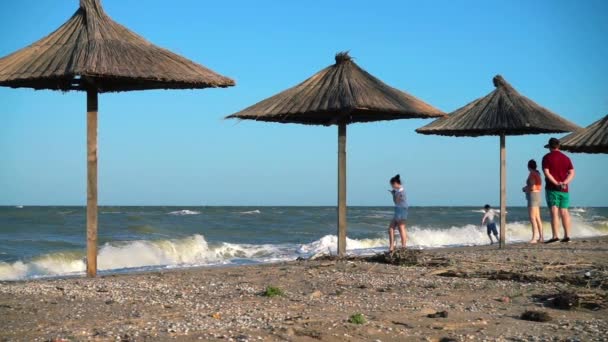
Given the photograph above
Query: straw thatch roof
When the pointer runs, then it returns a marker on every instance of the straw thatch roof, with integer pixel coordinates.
(503, 111)
(91, 50)
(593, 139)
(342, 92)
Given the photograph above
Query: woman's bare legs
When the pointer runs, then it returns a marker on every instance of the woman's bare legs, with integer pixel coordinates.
(402, 233)
(391, 236)
(539, 225)
(532, 211)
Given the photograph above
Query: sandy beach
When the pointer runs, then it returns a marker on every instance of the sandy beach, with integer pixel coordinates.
(482, 290)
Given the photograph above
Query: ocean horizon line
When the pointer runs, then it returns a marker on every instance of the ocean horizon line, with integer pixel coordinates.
(274, 206)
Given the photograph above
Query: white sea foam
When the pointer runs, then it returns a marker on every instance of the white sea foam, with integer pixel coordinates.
(602, 223)
(190, 251)
(482, 211)
(46, 265)
(328, 243)
(251, 212)
(428, 237)
(185, 212)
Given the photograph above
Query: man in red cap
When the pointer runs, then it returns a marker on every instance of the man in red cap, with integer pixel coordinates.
(559, 172)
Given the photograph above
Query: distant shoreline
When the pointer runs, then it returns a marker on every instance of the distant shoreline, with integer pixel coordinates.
(275, 206)
(449, 249)
(50, 240)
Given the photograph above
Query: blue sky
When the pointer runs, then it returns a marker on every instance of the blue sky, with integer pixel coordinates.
(173, 148)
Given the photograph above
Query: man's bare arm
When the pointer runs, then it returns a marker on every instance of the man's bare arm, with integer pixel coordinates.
(550, 177)
(571, 175)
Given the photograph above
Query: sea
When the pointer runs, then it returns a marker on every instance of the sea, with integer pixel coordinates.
(49, 241)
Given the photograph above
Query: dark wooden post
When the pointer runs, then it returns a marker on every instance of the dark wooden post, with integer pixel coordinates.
(503, 191)
(91, 182)
(341, 189)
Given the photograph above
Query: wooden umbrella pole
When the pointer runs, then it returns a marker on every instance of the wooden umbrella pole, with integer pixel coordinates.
(91, 182)
(503, 191)
(341, 189)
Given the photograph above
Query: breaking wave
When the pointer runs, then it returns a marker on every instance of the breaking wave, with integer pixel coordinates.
(185, 212)
(250, 212)
(328, 243)
(428, 237)
(190, 251)
(196, 251)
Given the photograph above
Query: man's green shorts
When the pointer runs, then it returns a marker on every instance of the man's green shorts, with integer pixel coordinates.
(558, 199)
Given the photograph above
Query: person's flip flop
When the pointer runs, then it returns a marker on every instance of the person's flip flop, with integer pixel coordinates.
(552, 240)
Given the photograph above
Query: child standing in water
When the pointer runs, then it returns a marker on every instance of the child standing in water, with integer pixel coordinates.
(400, 217)
(488, 221)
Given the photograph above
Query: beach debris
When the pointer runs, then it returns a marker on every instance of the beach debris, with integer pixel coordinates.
(316, 294)
(536, 316)
(562, 301)
(272, 291)
(459, 325)
(569, 300)
(241, 338)
(505, 300)
(566, 301)
(322, 255)
(451, 273)
(440, 314)
(357, 318)
(403, 324)
(308, 333)
(126, 338)
(448, 339)
(599, 280)
(401, 257)
(216, 315)
(99, 333)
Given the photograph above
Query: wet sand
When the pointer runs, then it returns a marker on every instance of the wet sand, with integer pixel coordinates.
(483, 290)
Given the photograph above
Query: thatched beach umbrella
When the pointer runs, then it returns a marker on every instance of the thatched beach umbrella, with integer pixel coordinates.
(340, 94)
(593, 139)
(502, 112)
(93, 53)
